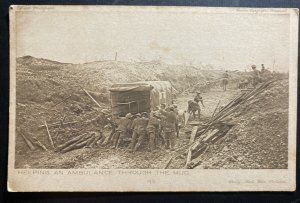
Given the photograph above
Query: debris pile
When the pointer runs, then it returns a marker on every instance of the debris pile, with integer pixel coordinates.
(50, 126)
(250, 132)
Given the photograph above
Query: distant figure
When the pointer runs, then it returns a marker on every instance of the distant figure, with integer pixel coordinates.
(262, 69)
(225, 80)
(255, 76)
(243, 83)
(265, 73)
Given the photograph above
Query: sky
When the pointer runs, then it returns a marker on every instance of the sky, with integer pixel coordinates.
(224, 40)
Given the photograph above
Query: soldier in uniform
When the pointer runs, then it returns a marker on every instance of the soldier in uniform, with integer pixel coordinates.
(255, 76)
(141, 131)
(171, 125)
(124, 126)
(100, 122)
(225, 80)
(265, 73)
(193, 106)
(177, 115)
(153, 128)
(198, 98)
(134, 128)
(161, 134)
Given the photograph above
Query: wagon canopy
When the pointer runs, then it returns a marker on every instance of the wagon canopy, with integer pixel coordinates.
(140, 97)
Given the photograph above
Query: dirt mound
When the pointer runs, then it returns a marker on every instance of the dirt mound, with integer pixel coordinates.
(100, 75)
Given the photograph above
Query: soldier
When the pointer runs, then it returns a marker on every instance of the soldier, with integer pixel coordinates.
(175, 108)
(153, 128)
(225, 80)
(262, 69)
(255, 76)
(124, 126)
(161, 133)
(114, 126)
(193, 106)
(198, 98)
(134, 128)
(171, 125)
(177, 115)
(100, 122)
(265, 73)
(141, 130)
(163, 106)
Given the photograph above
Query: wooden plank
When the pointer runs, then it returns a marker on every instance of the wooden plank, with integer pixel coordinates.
(210, 134)
(49, 135)
(193, 134)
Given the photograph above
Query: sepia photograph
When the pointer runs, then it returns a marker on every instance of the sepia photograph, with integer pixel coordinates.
(111, 94)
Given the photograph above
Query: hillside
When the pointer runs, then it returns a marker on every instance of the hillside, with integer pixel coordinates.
(40, 78)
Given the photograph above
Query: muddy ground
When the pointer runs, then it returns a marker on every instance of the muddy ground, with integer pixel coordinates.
(104, 157)
(258, 137)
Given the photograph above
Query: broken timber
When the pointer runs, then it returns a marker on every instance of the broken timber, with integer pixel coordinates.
(49, 135)
(91, 97)
(28, 142)
(40, 144)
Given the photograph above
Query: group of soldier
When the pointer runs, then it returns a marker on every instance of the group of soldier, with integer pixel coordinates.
(255, 78)
(260, 76)
(154, 129)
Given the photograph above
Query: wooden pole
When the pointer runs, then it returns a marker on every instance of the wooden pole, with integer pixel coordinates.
(28, 142)
(49, 135)
(40, 144)
(91, 97)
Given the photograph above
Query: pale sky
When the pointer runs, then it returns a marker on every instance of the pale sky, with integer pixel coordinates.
(230, 41)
